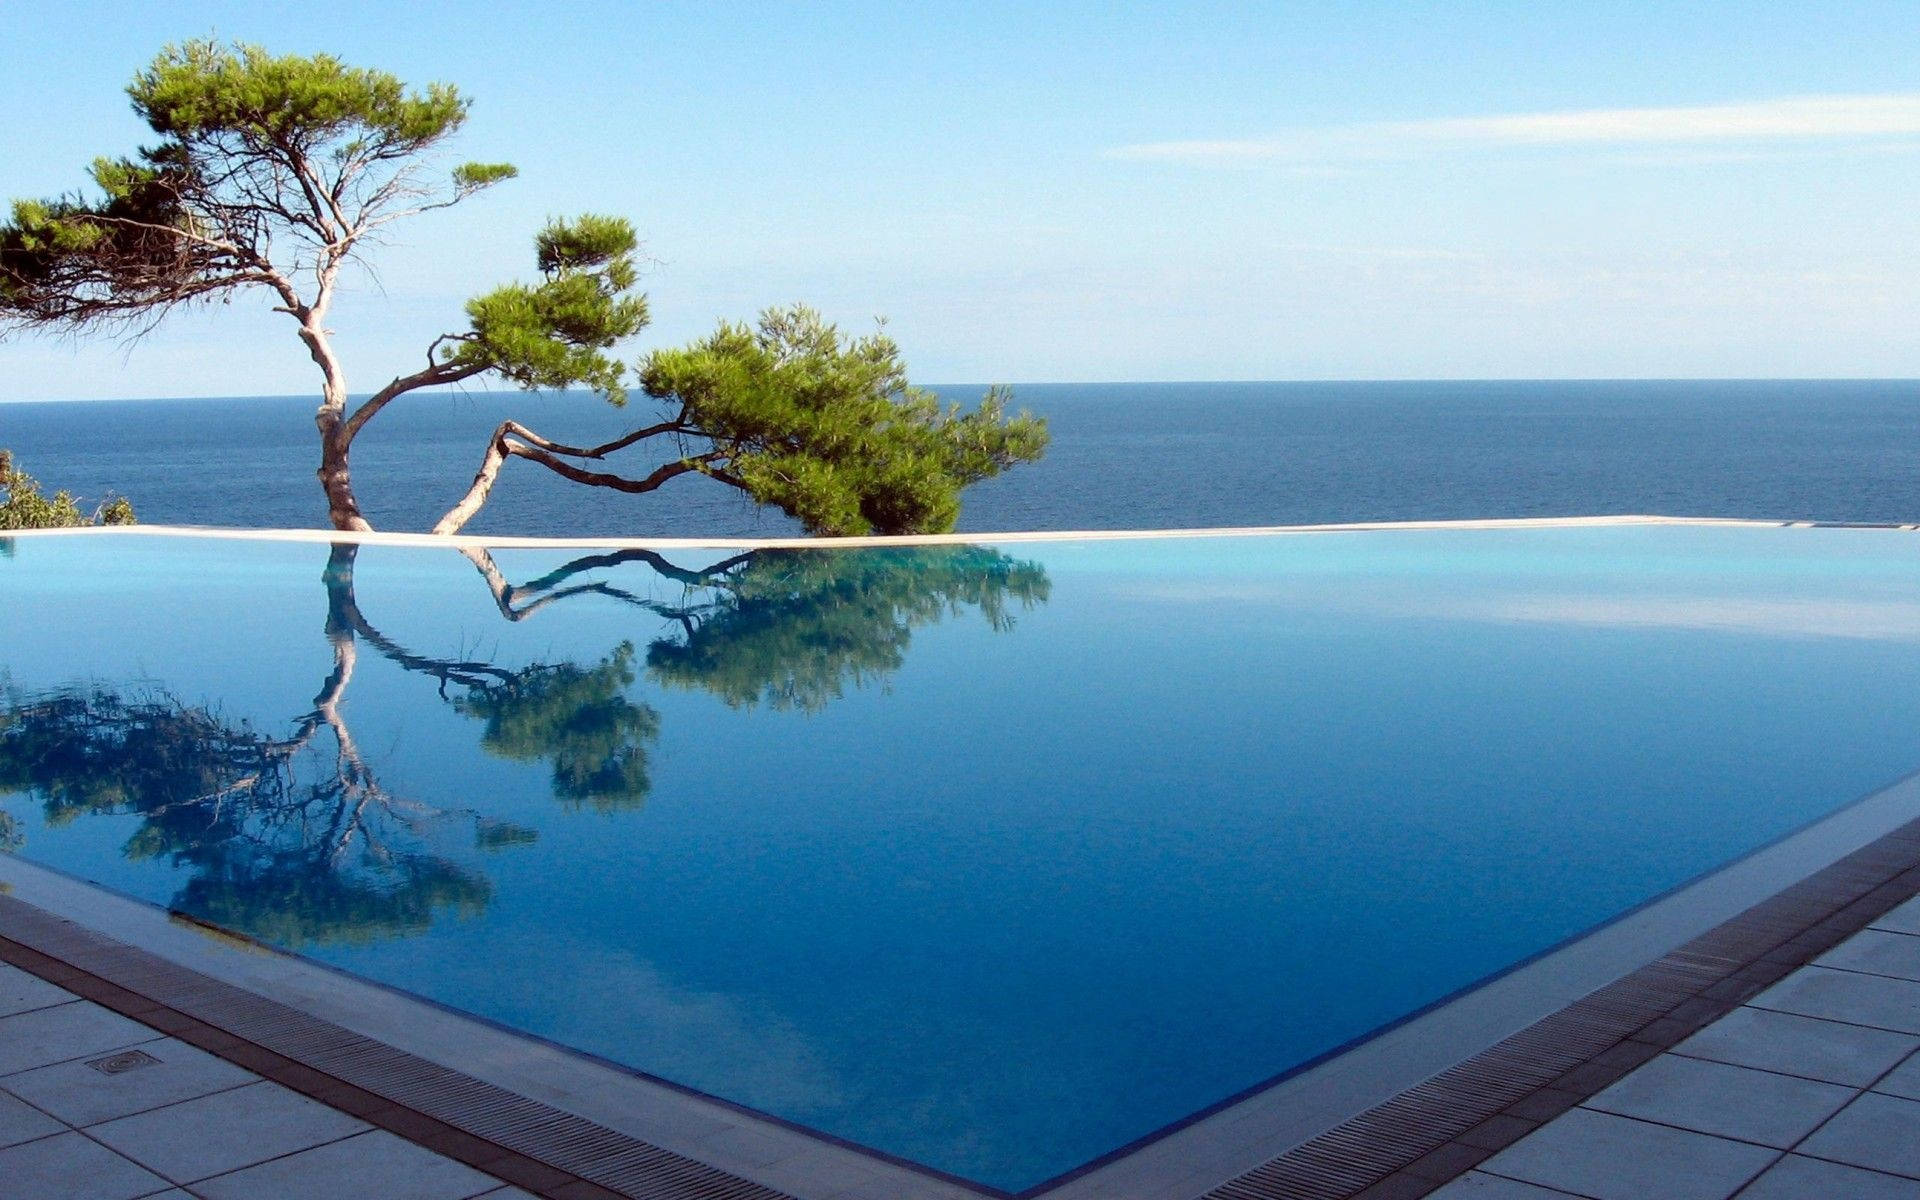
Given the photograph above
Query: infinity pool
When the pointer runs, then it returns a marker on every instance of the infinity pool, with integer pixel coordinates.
(992, 858)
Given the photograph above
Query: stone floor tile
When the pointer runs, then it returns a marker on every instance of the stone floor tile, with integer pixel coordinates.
(1903, 1080)
(1881, 1133)
(1798, 1178)
(1735, 1102)
(371, 1164)
(80, 1094)
(1617, 1158)
(231, 1130)
(1877, 952)
(1905, 919)
(1497, 1132)
(20, 992)
(1795, 1045)
(51, 1035)
(1845, 996)
(1476, 1185)
(21, 1122)
(70, 1167)
(747, 1146)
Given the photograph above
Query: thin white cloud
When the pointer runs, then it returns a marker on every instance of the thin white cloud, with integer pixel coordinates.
(1792, 119)
(1385, 253)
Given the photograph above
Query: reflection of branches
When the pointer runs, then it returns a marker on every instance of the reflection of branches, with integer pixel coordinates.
(519, 603)
(790, 628)
(295, 840)
(577, 718)
(281, 842)
(345, 622)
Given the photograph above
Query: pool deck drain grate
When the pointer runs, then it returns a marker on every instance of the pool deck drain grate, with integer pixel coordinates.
(1402, 1149)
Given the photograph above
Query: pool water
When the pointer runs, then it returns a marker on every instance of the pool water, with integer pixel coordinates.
(992, 858)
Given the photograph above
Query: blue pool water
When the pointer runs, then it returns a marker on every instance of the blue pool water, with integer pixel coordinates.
(995, 859)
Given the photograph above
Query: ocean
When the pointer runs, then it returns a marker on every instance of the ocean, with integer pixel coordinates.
(1129, 455)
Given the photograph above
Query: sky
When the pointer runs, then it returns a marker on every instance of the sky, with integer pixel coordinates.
(1094, 192)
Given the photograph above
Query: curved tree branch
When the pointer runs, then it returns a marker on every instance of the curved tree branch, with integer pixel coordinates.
(514, 440)
(435, 375)
(518, 602)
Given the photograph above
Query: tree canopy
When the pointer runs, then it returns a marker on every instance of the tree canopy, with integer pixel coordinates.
(800, 416)
(828, 429)
(267, 168)
(272, 174)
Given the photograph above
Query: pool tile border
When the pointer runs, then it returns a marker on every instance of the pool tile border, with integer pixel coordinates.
(541, 1149)
(1419, 1140)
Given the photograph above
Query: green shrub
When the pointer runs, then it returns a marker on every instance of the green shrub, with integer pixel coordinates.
(22, 506)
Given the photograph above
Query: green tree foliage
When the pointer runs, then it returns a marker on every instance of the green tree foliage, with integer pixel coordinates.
(555, 334)
(797, 415)
(24, 506)
(254, 149)
(827, 428)
(272, 173)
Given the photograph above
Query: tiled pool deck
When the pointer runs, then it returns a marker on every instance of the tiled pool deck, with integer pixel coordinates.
(1810, 1089)
(98, 1106)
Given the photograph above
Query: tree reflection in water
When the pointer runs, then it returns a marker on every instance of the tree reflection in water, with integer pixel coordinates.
(294, 840)
(578, 718)
(281, 838)
(792, 628)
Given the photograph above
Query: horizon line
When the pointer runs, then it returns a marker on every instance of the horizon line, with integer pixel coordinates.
(1168, 382)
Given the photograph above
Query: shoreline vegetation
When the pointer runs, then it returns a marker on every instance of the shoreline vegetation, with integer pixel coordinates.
(24, 506)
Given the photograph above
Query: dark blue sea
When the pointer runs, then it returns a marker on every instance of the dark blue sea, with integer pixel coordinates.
(1143, 455)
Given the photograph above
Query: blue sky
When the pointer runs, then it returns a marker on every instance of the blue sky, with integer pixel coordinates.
(1098, 192)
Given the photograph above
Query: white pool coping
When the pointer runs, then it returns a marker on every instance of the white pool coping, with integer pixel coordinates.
(505, 541)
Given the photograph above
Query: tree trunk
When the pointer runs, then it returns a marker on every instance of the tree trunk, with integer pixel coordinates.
(336, 480)
(343, 509)
(482, 486)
